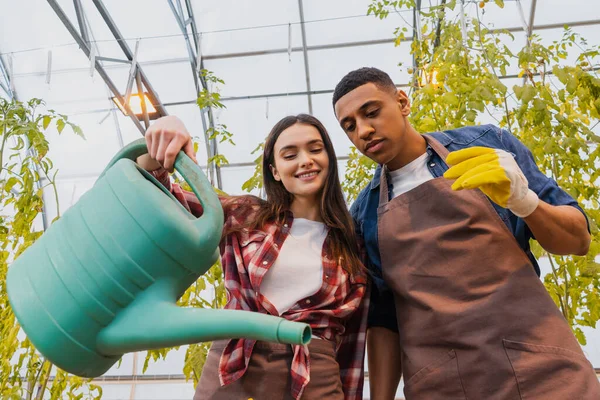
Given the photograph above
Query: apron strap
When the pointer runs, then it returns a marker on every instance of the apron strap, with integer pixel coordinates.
(383, 185)
(440, 149)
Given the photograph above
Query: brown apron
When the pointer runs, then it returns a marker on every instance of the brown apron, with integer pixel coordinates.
(268, 374)
(475, 321)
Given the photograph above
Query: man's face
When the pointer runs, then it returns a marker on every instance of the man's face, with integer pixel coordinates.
(375, 121)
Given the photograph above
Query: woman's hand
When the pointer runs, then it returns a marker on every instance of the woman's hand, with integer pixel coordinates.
(165, 138)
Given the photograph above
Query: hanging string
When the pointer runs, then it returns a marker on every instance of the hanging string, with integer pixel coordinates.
(49, 67)
(267, 109)
(92, 59)
(11, 75)
(290, 41)
(199, 54)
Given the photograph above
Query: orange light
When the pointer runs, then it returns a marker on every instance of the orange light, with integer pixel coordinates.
(135, 103)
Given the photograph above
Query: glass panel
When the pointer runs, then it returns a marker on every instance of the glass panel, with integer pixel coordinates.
(556, 11)
(69, 92)
(171, 81)
(327, 67)
(115, 390)
(269, 74)
(231, 26)
(343, 21)
(165, 391)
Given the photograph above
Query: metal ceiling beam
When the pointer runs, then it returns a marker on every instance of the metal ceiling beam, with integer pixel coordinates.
(121, 41)
(99, 68)
(184, 21)
(5, 80)
(192, 56)
(305, 51)
(81, 21)
(208, 112)
(531, 19)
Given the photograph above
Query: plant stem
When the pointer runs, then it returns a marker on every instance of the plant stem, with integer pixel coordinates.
(4, 137)
(41, 391)
(566, 277)
(557, 283)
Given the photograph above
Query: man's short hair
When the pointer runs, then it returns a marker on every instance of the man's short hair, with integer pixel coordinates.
(360, 77)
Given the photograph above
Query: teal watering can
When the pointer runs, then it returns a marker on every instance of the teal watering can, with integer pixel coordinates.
(103, 279)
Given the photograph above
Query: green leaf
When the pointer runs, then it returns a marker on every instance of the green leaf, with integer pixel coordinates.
(77, 130)
(428, 124)
(591, 269)
(60, 125)
(12, 181)
(450, 98)
(518, 91)
(580, 336)
(47, 119)
(539, 104)
(529, 93)
(471, 115)
(500, 3)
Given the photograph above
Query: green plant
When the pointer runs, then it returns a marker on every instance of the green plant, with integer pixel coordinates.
(457, 78)
(25, 171)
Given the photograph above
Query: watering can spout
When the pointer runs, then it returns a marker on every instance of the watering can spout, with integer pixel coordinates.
(153, 322)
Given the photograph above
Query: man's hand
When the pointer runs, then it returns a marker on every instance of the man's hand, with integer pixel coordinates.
(165, 138)
(497, 174)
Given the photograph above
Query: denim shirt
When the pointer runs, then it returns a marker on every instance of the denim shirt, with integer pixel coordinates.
(364, 209)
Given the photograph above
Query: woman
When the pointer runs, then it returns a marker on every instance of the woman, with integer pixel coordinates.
(295, 256)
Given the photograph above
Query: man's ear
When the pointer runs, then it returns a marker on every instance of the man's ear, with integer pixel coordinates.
(403, 102)
(275, 173)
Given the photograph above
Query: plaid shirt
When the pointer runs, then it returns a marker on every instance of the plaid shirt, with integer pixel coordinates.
(337, 312)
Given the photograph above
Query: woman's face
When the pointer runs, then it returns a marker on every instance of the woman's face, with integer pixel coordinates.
(301, 161)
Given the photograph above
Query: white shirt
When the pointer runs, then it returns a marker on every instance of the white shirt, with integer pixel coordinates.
(298, 271)
(410, 176)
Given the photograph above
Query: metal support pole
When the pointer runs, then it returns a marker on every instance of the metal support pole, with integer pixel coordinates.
(199, 81)
(81, 21)
(416, 34)
(138, 81)
(304, 50)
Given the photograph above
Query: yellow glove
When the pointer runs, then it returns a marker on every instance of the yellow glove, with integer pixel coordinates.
(497, 174)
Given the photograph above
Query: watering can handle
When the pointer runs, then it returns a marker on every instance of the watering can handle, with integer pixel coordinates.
(188, 169)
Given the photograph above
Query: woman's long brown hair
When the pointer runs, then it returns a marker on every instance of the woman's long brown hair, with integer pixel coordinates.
(335, 215)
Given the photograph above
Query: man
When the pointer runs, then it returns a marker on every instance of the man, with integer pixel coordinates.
(458, 306)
